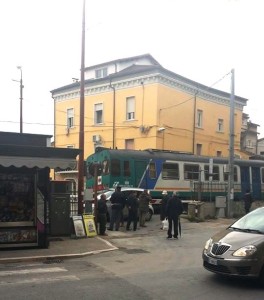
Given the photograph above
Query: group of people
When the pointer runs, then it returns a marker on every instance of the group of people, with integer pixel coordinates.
(137, 208)
(171, 209)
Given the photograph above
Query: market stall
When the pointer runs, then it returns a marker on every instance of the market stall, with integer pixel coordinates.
(25, 192)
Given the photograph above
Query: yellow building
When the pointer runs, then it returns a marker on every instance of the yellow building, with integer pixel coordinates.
(135, 103)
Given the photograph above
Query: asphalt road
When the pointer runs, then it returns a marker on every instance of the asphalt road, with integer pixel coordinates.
(145, 267)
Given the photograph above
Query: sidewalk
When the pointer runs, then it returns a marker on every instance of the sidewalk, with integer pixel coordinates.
(65, 247)
(59, 248)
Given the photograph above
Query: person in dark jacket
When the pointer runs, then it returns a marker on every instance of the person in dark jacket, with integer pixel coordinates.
(117, 204)
(132, 206)
(173, 210)
(144, 200)
(102, 214)
(164, 201)
(247, 201)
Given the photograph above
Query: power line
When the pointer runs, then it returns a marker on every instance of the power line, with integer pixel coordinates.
(196, 93)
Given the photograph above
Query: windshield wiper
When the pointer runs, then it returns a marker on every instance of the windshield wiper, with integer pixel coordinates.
(253, 230)
(236, 228)
(246, 230)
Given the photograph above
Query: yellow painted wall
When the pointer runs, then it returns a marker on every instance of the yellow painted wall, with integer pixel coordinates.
(157, 105)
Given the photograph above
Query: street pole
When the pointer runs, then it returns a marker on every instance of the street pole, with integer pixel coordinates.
(96, 165)
(230, 195)
(81, 129)
(114, 114)
(21, 99)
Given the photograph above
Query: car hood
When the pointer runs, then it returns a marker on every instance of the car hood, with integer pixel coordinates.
(237, 238)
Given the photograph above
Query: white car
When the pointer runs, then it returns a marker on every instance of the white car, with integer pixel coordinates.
(126, 191)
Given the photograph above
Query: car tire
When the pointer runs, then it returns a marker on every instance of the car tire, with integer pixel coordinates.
(149, 215)
(261, 277)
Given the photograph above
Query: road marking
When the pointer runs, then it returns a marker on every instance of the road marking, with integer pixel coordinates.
(32, 271)
(40, 280)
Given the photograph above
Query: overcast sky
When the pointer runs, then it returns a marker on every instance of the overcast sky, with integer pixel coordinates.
(201, 40)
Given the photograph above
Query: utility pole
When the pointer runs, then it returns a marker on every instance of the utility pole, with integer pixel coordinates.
(21, 97)
(96, 166)
(230, 195)
(81, 126)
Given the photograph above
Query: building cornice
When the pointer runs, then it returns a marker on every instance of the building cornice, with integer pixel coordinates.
(95, 87)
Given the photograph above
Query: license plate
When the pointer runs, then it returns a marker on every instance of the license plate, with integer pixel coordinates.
(212, 261)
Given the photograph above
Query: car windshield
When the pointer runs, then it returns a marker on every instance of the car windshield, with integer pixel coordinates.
(252, 222)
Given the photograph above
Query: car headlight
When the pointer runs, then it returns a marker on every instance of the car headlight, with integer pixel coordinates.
(245, 251)
(208, 244)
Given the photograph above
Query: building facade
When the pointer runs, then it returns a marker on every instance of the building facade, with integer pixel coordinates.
(135, 103)
(260, 149)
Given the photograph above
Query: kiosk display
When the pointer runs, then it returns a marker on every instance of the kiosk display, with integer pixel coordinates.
(89, 225)
(78, 226)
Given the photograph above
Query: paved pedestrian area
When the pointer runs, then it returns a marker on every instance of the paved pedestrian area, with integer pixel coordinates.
(71, 247)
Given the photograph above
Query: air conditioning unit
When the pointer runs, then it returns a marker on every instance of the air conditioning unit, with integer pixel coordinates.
(96, 138)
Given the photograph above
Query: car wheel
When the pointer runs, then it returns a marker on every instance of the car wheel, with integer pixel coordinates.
(261, 277)
(149, 215)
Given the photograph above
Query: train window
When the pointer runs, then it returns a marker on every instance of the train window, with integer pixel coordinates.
(115, 167)
(170, 171)
(235, 175)
(215, 176)
(127, 168)
(152, 170)
(105, 167)
(262, 175)
(191, 172)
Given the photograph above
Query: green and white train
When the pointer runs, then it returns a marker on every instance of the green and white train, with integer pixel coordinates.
(191, 176)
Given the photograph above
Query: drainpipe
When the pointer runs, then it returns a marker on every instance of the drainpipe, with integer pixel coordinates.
(194, 118)
(143, 99)
(114, 113)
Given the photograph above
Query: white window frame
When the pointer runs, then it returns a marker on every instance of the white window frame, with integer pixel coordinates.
(220, 125)
(130, 144)
(218, 153)
(249, 144)
(98, 107)
(199, 117)
(130, 108)
(70, 118)
(199, 149)
(101, 73)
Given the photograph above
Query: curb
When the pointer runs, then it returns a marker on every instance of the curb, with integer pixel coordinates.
(54, 257)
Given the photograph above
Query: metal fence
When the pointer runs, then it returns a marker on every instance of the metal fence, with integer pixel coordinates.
(207, 191)
(74, 204)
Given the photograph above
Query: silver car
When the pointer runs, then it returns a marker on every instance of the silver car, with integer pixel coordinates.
(126, 191)
(239, 249)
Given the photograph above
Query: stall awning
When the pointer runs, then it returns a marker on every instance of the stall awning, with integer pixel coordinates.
(40, 162)
(41, 157)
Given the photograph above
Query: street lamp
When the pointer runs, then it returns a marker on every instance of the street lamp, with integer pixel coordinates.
(21, 98)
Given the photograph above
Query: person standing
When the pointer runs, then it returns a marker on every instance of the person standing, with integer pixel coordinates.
(132, 206)
(164, 202)
(102, 214)
(117, 200)
(173, 210)
(247, 201)
(144, 200)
